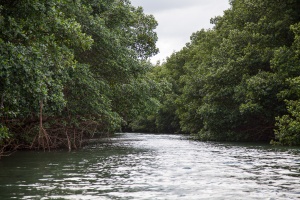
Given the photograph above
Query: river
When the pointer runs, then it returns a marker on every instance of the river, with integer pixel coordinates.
(150, 166)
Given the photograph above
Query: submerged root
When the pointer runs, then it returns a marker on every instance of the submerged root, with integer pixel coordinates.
(8, 149)
(47, 133)
(44, 139)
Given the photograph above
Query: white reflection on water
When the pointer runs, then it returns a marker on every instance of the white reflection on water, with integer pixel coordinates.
(145, 166)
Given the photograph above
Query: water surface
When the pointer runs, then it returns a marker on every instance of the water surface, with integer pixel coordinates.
(148, 166)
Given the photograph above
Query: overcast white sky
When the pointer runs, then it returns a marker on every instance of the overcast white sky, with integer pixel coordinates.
(178, 19)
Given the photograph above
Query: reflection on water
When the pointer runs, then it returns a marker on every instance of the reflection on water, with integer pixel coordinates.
(145, 166)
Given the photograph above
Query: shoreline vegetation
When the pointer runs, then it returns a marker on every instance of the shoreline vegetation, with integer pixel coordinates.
(71, 70)
(74, 70)
(239, 81)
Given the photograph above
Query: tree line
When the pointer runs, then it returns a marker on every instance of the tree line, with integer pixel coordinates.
(71, 69)
(75, 69)
(239, 81)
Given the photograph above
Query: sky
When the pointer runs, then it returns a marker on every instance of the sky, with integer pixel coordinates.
(178, 19)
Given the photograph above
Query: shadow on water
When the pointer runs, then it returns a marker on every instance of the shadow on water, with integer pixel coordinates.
(151, 166)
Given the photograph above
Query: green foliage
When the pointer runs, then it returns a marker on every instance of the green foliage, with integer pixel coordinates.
(288, 126)
(286, 62)
(74, 69)
(148, 111)
(65, 64)
(4, 133)
(35, 56)
(231, 82)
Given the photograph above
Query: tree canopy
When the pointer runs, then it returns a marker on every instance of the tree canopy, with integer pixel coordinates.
(65, 66)
(238, 81)
(73, 69)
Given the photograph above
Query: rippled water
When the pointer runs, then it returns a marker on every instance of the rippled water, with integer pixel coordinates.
(145, 166)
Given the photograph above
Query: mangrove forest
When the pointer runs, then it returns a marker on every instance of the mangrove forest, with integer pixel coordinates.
(71, 70)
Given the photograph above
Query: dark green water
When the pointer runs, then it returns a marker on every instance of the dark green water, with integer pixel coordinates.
(145, 166)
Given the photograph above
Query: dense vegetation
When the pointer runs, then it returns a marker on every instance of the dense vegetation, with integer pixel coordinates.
(239, 81)
(71, 69)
